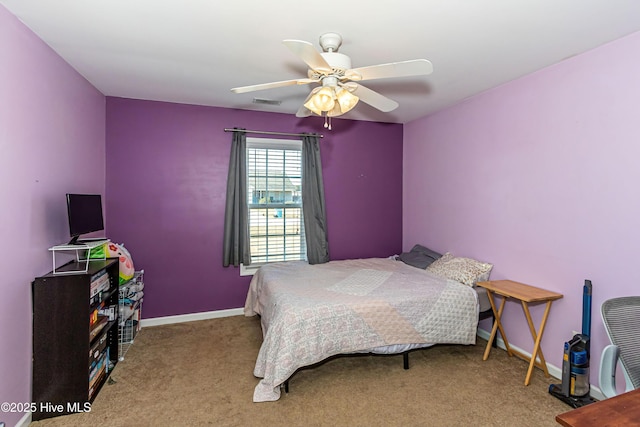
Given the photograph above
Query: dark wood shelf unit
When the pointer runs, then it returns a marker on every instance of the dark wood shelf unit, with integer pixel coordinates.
(61, 336)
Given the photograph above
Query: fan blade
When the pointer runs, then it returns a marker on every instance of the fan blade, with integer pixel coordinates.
(308, 54)
(373, 98)
(416, 67)
(272, 85)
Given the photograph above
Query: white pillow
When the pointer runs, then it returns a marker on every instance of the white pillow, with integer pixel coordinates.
(464, 270)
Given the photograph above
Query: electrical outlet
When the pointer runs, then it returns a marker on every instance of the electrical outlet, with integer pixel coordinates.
(576, 332)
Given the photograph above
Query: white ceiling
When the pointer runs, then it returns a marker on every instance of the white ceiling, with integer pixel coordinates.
(195, 51)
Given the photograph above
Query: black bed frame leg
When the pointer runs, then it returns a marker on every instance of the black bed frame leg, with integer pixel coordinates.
(405, 359)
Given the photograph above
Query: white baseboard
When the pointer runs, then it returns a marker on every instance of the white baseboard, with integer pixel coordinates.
(25, 420)
(181, 318)
(554, 371)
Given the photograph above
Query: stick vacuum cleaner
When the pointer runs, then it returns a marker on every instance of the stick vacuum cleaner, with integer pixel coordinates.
(574, 390)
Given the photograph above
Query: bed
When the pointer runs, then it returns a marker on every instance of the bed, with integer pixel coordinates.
(309, 313)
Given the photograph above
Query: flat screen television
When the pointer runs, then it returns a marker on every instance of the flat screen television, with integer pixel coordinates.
(85, 215)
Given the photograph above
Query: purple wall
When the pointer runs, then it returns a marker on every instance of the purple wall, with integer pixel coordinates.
(52, 135)
(539, 177)
(166, 184)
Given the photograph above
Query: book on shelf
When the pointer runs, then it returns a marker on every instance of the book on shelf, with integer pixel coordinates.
(99, 283)
(97, 349)
(97, 327)
(99, 288)
(99, 296)
(95, 314)
(110, 311)
(97, 371)
(97, 380)
(96, 367)
(94, 386)
(98, 275)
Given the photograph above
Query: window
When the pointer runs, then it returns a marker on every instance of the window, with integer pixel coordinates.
(274, 198)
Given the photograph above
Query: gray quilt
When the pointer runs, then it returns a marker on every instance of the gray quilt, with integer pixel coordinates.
(311, 312)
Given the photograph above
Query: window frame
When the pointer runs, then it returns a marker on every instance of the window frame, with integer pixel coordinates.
(274, 144)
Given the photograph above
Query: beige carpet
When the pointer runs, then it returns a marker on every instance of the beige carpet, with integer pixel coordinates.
(201, 374)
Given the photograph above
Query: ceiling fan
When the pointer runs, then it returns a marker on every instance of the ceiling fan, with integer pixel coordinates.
(339, 89)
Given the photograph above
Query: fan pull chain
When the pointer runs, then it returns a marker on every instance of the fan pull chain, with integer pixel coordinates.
(327, 122)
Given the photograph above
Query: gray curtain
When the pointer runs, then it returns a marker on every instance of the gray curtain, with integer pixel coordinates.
(313, 207)
(236, 248)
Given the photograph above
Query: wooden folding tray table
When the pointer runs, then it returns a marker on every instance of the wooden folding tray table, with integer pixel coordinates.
(525, 294)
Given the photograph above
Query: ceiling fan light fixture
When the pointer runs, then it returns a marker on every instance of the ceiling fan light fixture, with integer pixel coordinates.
(346, 99)
(322, 101)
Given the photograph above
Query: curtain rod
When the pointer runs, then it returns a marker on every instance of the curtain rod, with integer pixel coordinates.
(263, 132)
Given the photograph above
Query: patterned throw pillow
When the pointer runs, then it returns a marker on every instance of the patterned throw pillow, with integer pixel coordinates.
(464, 270)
